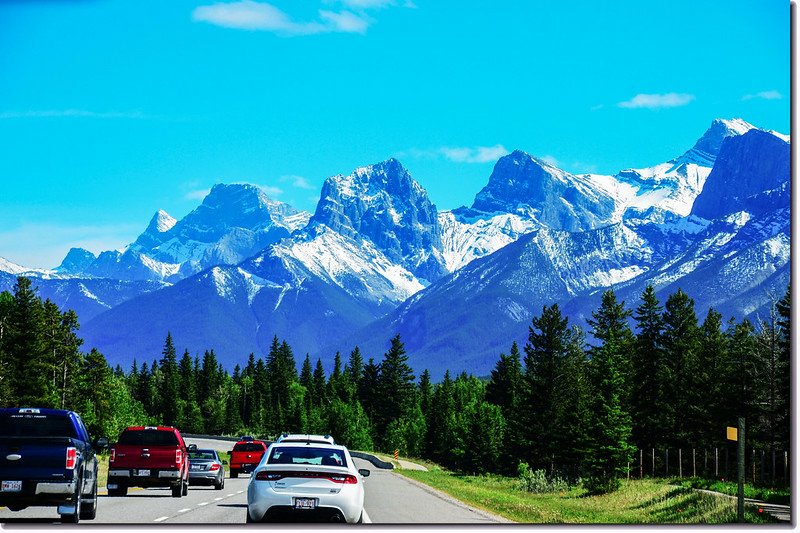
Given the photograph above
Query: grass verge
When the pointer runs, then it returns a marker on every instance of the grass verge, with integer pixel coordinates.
(637, 502)
(779, 496)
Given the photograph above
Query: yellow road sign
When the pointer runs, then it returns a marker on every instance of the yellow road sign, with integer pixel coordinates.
(733, 433)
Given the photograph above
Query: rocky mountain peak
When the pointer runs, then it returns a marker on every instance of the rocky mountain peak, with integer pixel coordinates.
(76, 261)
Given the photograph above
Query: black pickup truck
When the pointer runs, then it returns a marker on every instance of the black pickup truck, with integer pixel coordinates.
(48, 459)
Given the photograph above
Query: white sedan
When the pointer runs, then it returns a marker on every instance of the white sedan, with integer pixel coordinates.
(306, 482)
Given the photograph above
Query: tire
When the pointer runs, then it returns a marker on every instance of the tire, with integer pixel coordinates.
(177, 490)
(249, 520)
(219, 485)
(89, 508)
(185, 488)
(234, 473)
(360, 518)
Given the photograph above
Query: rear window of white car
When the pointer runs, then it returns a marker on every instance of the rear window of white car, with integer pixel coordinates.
(306, 455)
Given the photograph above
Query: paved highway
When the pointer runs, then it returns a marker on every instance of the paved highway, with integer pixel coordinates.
(390, 499)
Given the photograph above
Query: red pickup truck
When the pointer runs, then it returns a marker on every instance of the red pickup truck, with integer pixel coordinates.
(148, 456)
(246, 455)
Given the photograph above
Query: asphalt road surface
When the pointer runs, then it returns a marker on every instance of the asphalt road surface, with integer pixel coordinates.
(390, 499)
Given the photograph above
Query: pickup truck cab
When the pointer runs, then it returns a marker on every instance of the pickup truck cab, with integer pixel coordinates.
(148, 456)
(48, 459)
(246, 455)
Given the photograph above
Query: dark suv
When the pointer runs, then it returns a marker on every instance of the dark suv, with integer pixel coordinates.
(48, 459)
(148, 456)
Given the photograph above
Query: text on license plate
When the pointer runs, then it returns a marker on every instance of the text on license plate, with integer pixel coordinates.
(305, 503)
(197, 467)
(11, 486)
(141, 472)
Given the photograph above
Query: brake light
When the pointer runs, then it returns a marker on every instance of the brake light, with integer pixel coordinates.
(178, 457)
(345, 479)
(72, 458)
(113, 456)
(214, 466)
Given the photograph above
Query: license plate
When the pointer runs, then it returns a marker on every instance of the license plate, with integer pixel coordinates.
(143, 472)
(11, 486)
(305, 503)
(197, 467)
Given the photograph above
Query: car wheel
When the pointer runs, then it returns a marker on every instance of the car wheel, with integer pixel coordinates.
(177, 490)
(89, 508)
(220, 483)
(185, 488)
(234, 473)
(249, 520)
(360, 518)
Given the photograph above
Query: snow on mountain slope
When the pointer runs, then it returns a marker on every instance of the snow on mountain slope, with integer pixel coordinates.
(233, 223)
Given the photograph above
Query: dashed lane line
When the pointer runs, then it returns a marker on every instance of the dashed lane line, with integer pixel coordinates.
(184, 510)
(217, 499)
(161, 519)
(202, 504)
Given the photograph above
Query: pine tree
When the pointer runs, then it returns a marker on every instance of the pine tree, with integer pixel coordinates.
(783, 370)
(319, 390)
(6, 308)
(608, 447)
(651, 407)
(169, 384)
(353, 371)
(368, 393)
(713, 357)
(504, 390)
(396, 387)
(682, 347)
(545, 353)
(26, 349)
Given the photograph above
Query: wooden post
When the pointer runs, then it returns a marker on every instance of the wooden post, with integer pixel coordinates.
(740, 450)
(694, 468)
(666, 463)
(786, 468)
(773, 467)
(653, 462)
(629, 470)
(680, 463)
(641, 464)
(705, 463)
(754, 466)
(716, 462)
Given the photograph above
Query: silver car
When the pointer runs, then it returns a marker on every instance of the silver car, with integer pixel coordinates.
(206, 468)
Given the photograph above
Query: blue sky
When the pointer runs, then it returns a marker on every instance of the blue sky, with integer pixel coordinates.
(110, 110)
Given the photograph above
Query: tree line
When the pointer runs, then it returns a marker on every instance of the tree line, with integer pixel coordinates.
(573, 405)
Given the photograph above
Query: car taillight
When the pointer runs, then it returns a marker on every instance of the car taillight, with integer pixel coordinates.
(113, 456)
(347, 479)
(72, 458)
(178, 457)
(214, 467)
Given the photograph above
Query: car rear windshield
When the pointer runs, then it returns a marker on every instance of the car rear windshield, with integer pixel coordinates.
(202, 454)
(307, 455)
(148, 437)
(36, 425)
(248, 447)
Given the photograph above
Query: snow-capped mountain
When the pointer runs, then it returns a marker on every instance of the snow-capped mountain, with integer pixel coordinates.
(525, 193)
(351, 264)
(736, 263)
(377, 258)
(383, 204)
(233, 223)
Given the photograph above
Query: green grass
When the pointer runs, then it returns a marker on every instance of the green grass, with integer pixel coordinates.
(769, 495)
(637, 502)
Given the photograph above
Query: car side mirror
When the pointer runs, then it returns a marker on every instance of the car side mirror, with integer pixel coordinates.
(100, 443)
(364, 472)
(224, 462)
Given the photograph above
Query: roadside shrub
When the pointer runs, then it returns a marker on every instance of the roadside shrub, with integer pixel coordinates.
(536, 481)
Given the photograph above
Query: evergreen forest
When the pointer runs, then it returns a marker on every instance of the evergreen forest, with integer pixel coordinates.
(575, 404)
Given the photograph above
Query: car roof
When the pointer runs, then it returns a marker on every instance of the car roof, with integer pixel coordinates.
(33, 411)
(150, 428)
(293, 444)
(251, 442)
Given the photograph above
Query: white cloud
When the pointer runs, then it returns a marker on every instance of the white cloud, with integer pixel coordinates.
(764, 95)
(657, 101)
(298, 182)
(261, 16)
(198, 194)
(68, 113)
(477, 154)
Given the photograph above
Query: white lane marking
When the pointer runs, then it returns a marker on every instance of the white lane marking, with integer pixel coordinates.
(229, 495)
(161, 519)
(217, 499)
(366, 519)
(184, 510)
(202, 504)
(239, 492)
